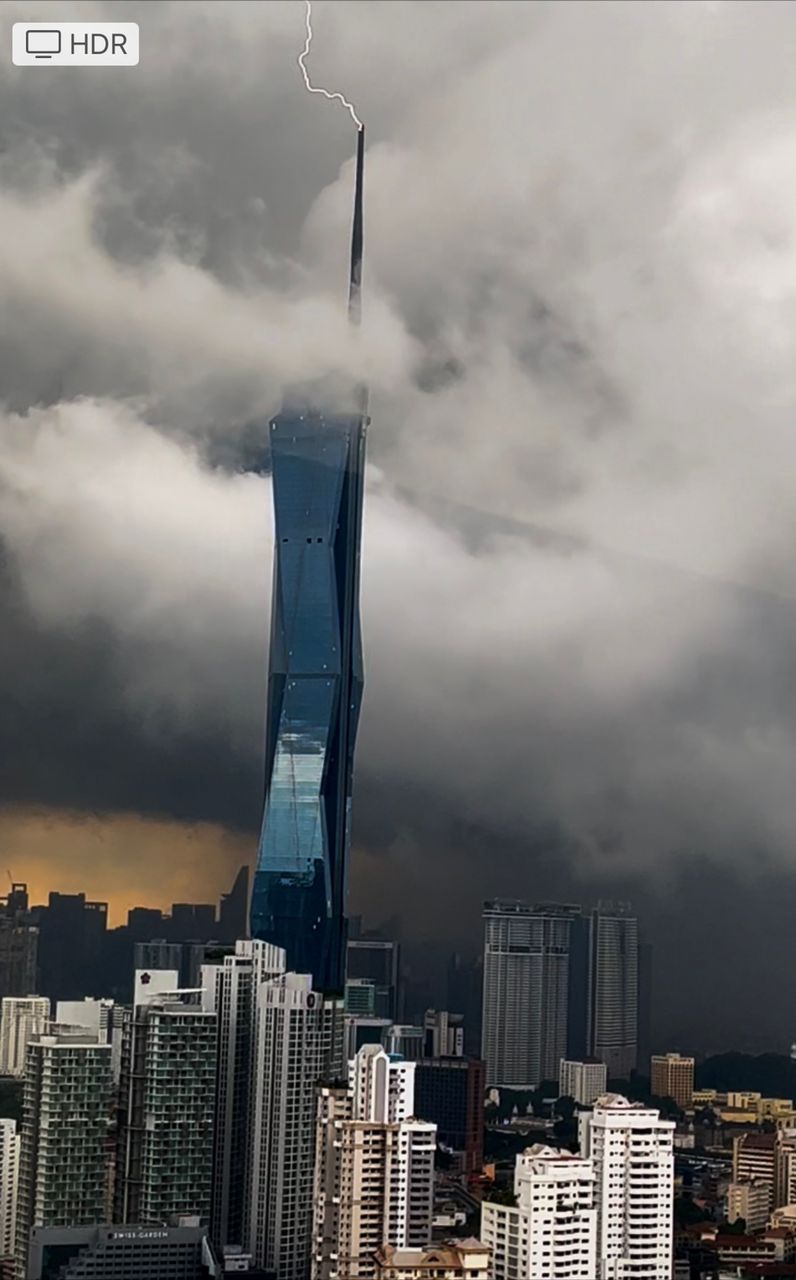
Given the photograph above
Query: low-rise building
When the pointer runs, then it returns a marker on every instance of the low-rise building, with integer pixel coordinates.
(452, 1260)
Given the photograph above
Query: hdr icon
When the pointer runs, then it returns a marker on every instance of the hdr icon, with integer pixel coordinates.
(75, 44)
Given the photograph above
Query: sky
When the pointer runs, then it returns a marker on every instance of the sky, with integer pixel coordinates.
(579, 589)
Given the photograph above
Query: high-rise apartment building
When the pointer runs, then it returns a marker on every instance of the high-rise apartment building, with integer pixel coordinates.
(315, 678)
(551, 1231)
(374, 1168)
(231, 982)
(21, 1018)
(65, 1155)
(377, 961)
(294, 1045)
(633, 1156)
(450, 1093)
(9, 1177)
(583, 1081)
(444, 1034)
(612, 973)
(525, 997)
(102, 1018)
(672, 1076)
(166, 1104)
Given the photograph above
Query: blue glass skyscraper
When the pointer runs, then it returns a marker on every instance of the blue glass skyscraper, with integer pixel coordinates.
(315, 677)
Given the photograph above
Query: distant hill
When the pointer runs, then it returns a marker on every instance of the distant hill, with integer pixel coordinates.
(771, 1074)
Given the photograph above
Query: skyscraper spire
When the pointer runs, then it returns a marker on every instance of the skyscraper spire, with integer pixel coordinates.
(355, 278)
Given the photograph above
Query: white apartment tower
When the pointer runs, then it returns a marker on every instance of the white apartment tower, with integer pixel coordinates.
(230, 987)
(21, 1018)
(583, 1081)
(374, 1168)
(632, 1152)
(294, 1044)
(552, 1229)
(9, 1175)
(166, 1103)
(64, 1157)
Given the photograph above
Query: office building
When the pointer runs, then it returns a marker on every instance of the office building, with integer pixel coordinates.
(19, 944)
(444, 1034)
(525, 997)
(9, 1178)
(750, 1202)
(360, 998)
(633, 1156)
(605, 968)
(755, 1157)
(374, 1168)
(233, 911)
(294, 1046)
(359, 1031)
(145, 923)
(192, 922)
(315, 678)
(405, 1041)
(166, 1104)
(71, 946)
(377, 961)
(122, 1253)
(64, 1152)
(21, 1018)
(451, 1260)
(582, 1081)
(672, 1076)
(551, 1231)
(230, 983)
(450, 1093)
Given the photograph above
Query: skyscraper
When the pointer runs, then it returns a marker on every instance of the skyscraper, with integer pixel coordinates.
(632, 1152)
(526, 980)
(377, 961)
(166, 1103)
(315, 676)
(64, 1159)
(612, 1020)
(230, 984)
(294, 1034)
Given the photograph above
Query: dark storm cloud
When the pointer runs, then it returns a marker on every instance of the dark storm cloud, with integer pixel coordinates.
(578, 576)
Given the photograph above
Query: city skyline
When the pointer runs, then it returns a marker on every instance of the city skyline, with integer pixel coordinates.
(579, 611)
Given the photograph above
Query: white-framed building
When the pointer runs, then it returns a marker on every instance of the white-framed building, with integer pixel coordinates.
(632, 1151)
(295, 1043)
(551, 1231)
(583, 1081)
(230, 985)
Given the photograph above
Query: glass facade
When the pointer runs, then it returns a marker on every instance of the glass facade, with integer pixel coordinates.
(314, 693)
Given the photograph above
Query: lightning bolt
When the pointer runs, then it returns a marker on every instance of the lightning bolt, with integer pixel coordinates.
(311, 88)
